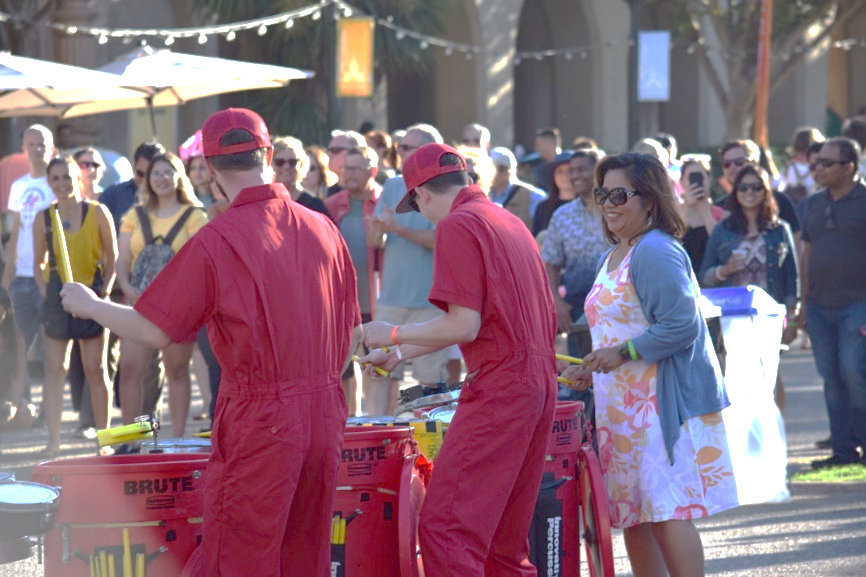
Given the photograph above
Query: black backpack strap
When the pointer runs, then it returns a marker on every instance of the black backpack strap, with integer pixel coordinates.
(175, 230)
(509, 193)
(144, 220)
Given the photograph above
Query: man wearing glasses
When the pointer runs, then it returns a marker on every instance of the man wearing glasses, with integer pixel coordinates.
(833, 277)
(735, 155)
(341, 142)
(476, 136)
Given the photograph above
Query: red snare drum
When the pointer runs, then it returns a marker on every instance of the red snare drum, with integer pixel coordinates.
(124, 511)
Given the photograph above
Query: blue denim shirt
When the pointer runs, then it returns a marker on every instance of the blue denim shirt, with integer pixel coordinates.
(689, 379)
(783, 275)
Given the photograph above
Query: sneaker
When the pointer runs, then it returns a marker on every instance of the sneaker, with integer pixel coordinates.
(86, 432)
(824, 443)
(833, 461)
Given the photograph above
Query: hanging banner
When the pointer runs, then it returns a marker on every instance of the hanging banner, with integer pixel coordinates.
(355, 57)
(762, 96)
(654, 66)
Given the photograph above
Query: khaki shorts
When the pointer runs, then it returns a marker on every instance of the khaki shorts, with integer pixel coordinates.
(429, 369)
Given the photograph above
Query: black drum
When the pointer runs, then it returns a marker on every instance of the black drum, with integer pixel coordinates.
(27, 508)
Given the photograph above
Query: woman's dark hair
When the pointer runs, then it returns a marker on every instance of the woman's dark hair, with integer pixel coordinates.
(801, 140)
(650, 178)
(8, 334)
(768, 214)
(379, 139)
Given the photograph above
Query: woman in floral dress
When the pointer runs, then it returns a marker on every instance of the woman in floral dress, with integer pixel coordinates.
(658, 388)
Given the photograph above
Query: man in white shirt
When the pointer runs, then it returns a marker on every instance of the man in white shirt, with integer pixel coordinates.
(28, 195)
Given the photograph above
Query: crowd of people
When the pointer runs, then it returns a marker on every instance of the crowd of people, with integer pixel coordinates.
(621, 242)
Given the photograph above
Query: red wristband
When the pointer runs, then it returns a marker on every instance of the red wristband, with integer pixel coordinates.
(394, 334)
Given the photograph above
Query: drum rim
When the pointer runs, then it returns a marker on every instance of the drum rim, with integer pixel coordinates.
(33, 506)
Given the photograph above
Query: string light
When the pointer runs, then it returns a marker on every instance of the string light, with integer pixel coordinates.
(289, 23)
(202, 38)
(169, 40)
(262, 30)
(230, 36)
(317, 15)
(103, 39)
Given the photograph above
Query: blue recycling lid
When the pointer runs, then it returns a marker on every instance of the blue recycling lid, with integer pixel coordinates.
(744, 301)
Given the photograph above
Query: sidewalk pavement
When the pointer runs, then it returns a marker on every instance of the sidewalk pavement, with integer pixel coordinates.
(820, 531)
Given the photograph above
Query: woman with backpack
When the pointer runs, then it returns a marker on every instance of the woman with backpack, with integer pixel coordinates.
(153, 231)
(90, 243)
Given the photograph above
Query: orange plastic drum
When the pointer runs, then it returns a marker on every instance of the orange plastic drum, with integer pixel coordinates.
(378, 501)
(124, 515)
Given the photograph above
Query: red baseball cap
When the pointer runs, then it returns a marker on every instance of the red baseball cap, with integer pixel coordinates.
(218, 124)
(424, 165)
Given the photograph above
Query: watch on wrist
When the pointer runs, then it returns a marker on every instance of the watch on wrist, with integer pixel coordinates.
(624, 354)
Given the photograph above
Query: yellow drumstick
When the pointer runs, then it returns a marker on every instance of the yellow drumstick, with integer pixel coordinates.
(103, 564)
(139, 565)
(127, 555)
(64, 270)
(381, 372)
(112, 571)
(572, 360)
(563, 380)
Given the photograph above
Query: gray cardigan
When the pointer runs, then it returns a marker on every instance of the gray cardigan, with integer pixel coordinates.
(689, 380)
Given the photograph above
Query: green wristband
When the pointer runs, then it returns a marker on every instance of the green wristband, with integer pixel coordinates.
(631, 351)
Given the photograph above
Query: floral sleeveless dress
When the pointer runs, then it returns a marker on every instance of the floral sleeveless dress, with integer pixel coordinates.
(642, 486)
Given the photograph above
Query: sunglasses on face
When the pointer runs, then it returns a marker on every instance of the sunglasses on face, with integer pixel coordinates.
(826, 162)
(281, 162)
(750, 187)
(89, 164)
(616, 196)
(738, 162)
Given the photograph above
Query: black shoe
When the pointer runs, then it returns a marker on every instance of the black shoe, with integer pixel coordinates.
(39, 423)
(834, 461)
(824, 443)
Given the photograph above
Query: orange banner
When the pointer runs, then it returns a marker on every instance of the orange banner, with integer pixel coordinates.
(355, 57)
(762, 98)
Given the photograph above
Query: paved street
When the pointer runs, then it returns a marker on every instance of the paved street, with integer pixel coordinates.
(820, 531)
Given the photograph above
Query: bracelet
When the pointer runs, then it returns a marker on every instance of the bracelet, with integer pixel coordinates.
(718, 276)
(397, 350)
(394, 334)
(631, 351)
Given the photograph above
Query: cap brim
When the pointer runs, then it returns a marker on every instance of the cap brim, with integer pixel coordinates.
(406, 203)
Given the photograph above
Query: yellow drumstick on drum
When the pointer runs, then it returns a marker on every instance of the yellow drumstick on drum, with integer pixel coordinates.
(63, 268)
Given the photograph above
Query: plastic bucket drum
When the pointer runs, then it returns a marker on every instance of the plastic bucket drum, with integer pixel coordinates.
(121, 513)
(444, 413)
(428, 433)
(183, 445)
(553, 536)
(376, 508)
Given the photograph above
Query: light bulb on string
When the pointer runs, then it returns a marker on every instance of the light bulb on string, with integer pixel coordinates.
(317, 14)
(127, 40)
(424, 45)
(202, 39)
(449, 51)
(72, 30)
(231, 36)
(289, 23)
(103, 39)
(401, 35)
(569, 55)
(262, 30)
(347, 12)
(169, 40)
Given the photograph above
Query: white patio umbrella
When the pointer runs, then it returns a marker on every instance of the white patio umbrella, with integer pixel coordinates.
(166, 78)
(40, 88)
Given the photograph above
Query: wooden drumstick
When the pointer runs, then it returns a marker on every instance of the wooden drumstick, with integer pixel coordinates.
(64, 269)
(127, 554)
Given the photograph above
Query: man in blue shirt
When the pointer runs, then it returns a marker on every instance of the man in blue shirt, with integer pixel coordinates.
(118, 198)
(517, 197)
(407, 275)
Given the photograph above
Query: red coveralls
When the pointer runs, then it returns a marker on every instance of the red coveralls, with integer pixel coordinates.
(479, 505)
(275, 285)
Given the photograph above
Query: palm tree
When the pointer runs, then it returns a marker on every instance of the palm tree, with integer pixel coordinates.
(302, 109)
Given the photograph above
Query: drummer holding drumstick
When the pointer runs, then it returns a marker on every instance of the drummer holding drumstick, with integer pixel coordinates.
(275, 286)
(489, 279)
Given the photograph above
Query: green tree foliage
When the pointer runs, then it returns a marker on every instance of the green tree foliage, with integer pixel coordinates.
(799, 28)
(302, 109)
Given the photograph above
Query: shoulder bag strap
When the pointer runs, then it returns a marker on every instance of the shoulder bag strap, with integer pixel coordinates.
(144, 220)
(49, 236)
(175, 230)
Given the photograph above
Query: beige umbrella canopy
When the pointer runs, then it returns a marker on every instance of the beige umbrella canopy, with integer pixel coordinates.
(31, 87)
(166, 78)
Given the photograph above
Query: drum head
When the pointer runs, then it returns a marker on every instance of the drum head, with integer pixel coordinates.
(24, 496)
(180, 445)
(594, 515)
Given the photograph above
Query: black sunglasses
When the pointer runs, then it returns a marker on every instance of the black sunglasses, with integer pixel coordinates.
(406, 148)
(280, 162)
(89, 164)
(617, 196)
(827, 162)
(750, 186)
(738, 162)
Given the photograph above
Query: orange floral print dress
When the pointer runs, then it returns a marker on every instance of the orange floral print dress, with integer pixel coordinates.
(642, 486)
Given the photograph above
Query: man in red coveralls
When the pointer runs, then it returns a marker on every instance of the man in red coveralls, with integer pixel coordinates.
(274, 284)
(489, 279)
